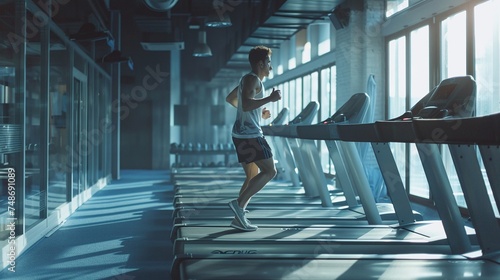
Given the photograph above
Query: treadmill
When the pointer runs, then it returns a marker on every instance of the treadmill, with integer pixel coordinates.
(483, 134)
(410, 235)
(348, 174)
(352, 111)
(484, 131)
(331, 265)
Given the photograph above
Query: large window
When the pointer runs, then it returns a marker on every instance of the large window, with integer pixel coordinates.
(419, 87)
(453, 63)
(395, 6)
(397, 77)
(306, 93)
(315, 87)
(453, 46)
(487, 57)
(487, 63)
(324, 45)
(436, 51)
(297, 95)
(397, 93)
(328, 105)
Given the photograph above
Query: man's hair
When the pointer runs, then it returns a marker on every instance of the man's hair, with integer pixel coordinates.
(258, 53)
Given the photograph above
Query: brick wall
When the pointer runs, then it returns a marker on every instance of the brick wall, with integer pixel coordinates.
(360, 52)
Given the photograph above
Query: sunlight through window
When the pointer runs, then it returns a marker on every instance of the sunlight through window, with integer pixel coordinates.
(419, 87)
(487, 57)
(306, 53)
(292, 63)
(394, 6)
(454, 43)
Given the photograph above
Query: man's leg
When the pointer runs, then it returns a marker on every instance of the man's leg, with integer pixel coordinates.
(251, 170)
(267, 172)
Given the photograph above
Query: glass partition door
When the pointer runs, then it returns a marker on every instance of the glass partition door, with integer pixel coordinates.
(79, 132)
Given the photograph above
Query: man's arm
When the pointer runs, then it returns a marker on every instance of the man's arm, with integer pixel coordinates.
(250, 86)
(232, 97)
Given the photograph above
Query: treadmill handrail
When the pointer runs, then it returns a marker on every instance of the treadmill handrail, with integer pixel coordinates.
(305, 117)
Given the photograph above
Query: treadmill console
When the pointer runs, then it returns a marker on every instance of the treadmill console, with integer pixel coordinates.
(453, 97)
(353, 111)
(307, 115)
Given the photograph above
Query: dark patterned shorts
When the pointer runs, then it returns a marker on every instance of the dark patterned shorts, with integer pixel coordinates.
(252, 149)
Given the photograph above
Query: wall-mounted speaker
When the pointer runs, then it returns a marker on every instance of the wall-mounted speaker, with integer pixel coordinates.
(340, 16)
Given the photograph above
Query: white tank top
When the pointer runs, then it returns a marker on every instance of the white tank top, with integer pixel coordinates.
(247, 124)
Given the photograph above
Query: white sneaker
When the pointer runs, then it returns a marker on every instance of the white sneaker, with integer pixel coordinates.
(239, 212)
(239, 216)
(246, 227)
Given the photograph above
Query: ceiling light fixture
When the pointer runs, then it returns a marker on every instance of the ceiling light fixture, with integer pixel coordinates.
(202, 49)
(88, 32)
(117, 57)
(161, 5)
(216, 20)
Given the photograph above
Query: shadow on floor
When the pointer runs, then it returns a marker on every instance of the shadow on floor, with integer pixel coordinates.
(121, 233)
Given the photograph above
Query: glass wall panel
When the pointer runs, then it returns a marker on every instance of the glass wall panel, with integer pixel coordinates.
(10, 124)
(59, 147)
(80, 131)
(419, 87)
(93, 135)
(76, 157)
(105, 125)
(34, 194)
(47, 117)
(104, 91)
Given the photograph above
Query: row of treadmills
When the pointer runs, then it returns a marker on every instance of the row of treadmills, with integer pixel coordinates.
(310, 228)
